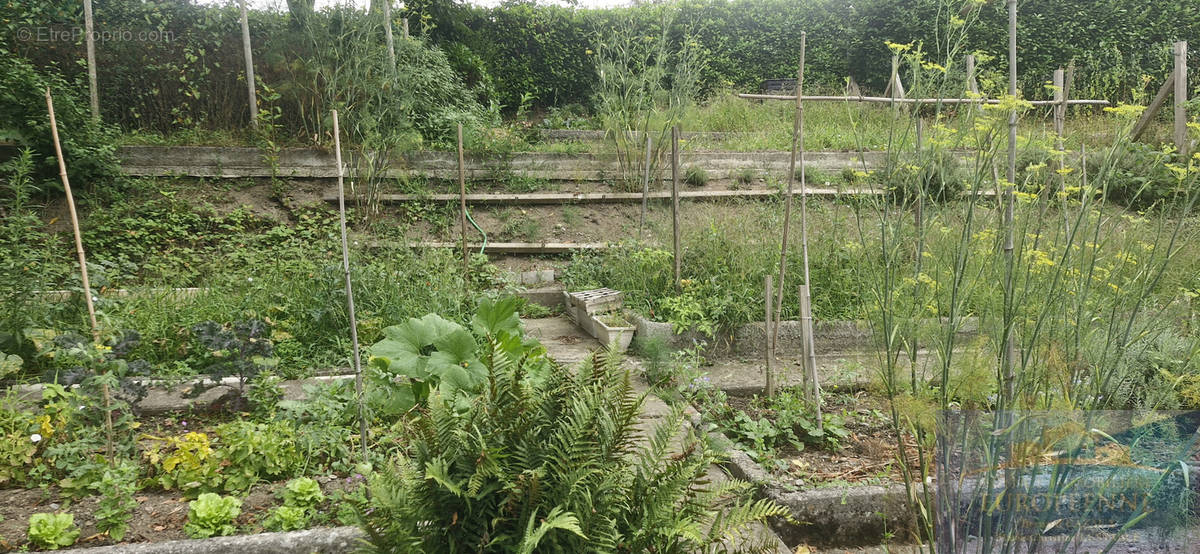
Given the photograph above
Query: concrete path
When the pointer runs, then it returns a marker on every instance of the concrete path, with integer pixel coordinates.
(854, 370)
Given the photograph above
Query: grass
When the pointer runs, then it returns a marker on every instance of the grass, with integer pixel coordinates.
(754, 126)
(731, 247)
(695, 176)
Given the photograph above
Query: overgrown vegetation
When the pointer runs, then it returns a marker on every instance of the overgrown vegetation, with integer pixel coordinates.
(560, 467)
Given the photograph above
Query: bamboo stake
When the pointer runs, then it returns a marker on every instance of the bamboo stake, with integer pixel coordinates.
(770, 339)
(249, 67)
(810, 359)
(1009, 198)
(787, 201)
(358, 378)
(462, 209)
(645, 189)
(812, 381)
(387, 32)
(90, 30)
(1182, 144)
(675, 199)
(83, 271)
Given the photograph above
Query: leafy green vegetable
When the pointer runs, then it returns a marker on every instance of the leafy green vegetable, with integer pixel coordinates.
(288, 518)
(303, 492)
(257, 451)
(52, 531)
(212, 515)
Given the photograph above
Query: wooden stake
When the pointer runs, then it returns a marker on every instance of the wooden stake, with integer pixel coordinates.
(83, 271)
(1147, 116)
(769, 322)
(90, 30)
(1060, 113)
(852, 88)
(462, 209)
(358, 378)
(645, 189)
(404, 26)
(1060, 117)
(1181, 97)
(675, 200)
(895, 88)
(972, 84)
(387, 32)
(249, 67)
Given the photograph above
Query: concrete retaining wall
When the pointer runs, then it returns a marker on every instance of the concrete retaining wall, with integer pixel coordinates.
(230, 162)
(749, 339)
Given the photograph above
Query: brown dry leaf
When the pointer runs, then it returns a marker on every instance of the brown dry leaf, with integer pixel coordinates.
(159, 527)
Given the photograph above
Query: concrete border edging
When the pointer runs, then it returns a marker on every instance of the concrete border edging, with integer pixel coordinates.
(832, 517)
(323, 540)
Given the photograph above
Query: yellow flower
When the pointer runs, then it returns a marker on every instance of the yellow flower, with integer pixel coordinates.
(1041, 259)
(1125, 111)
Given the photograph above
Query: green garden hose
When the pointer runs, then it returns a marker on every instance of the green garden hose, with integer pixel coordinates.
(476, 225)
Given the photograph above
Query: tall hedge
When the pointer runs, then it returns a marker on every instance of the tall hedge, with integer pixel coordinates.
(541, 50)
(191, 76)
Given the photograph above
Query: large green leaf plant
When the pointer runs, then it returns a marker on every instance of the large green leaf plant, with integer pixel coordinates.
(431, 353)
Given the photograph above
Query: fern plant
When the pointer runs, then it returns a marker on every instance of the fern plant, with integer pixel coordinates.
(551, 461)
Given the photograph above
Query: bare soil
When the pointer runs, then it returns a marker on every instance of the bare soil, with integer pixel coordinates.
(869, 455)
(159, 515)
